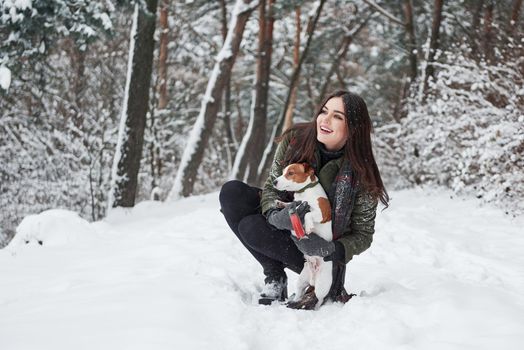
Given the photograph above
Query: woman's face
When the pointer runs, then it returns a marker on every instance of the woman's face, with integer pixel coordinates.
(332, 128)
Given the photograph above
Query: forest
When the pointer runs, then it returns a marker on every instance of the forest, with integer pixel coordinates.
(107, 103)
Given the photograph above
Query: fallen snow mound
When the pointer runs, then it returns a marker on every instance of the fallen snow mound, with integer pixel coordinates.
(54, 227)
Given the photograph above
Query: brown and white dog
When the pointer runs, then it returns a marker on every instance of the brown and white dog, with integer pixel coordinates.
(300, 178)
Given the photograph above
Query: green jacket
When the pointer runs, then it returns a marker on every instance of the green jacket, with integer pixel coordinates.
(357, 237)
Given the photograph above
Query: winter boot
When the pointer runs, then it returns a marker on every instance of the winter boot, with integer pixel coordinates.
(275, 289)
(338, 293)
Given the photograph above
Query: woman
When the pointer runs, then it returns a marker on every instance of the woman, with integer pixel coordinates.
(337, 143)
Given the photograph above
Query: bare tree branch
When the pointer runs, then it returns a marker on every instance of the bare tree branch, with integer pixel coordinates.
(385, 13)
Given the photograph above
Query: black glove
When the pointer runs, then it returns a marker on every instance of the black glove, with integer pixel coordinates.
(314, 245)
(339, 255)
(279, 218)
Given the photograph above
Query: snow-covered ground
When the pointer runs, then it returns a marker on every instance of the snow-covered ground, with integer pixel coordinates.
(442, 273)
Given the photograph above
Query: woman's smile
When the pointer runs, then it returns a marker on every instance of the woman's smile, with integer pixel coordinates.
(325, 129)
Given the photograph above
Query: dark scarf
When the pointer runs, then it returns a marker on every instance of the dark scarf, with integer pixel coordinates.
(342, 192)
(326, 156)
(346, 184)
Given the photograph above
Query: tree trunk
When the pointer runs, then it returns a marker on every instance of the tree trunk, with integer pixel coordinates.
(253, 143)
(400, 111)
(154, 147)
(270, 148)
(262, 89)
(79, 84)
(162, 56)
(487, 37)
(198, 139)
(288, 119)
(411, 40)
(434, 41)
(136, 101)
(475, 32)
(515, 12)
(228, 127)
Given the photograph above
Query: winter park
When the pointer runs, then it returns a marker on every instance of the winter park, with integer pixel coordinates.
(243, 174)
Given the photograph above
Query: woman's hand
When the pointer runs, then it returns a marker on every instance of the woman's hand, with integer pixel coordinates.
(279, 218)
(314, 245)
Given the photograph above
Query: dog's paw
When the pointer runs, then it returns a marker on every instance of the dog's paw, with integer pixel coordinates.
(308, 229)
(309, 225)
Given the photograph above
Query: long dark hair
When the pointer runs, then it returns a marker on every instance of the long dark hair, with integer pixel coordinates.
(357, 149)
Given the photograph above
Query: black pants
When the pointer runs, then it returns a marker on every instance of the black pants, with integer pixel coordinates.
(272, 248)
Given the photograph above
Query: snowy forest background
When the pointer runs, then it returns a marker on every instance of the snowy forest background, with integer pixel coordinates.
(443, 80)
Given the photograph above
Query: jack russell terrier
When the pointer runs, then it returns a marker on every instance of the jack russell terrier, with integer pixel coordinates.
(301, 179)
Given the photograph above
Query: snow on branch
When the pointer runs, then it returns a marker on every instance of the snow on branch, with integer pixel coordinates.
(384, 12)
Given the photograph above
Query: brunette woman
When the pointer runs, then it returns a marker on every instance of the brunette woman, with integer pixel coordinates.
(337, 143)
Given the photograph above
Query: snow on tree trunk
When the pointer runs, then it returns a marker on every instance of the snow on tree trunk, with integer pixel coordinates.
(241, 160)
(5, 78)
(136, 101)
(194, 150)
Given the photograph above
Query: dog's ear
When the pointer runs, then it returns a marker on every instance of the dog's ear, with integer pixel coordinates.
(308, 169)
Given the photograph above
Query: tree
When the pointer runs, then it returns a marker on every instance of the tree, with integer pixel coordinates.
(433, 42)
(277, 129)
(411, 40)
(162, 59)
(229, 138)
(252, 146)
(341, 53)
(28, 29)
(136, 102)
(155, 158)
(488, 35)
(515, 12)
(194, 150)
(288, 119)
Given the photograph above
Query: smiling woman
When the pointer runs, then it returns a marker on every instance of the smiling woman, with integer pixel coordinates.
(337, 145)
(332, 130)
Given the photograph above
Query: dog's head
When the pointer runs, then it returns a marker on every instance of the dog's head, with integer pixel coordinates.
(295, 177)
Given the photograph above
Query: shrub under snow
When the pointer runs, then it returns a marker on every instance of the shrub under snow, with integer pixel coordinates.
(469, 132)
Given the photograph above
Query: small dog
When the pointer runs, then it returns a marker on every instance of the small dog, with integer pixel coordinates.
(301, 179)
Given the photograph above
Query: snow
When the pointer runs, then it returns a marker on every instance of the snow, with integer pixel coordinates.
(55, 227)
(106, 21)
(23, 4)
(5, 78)
(13, 10)
(314, 9)
(464, 130)
(242, 7)
(442, 273)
